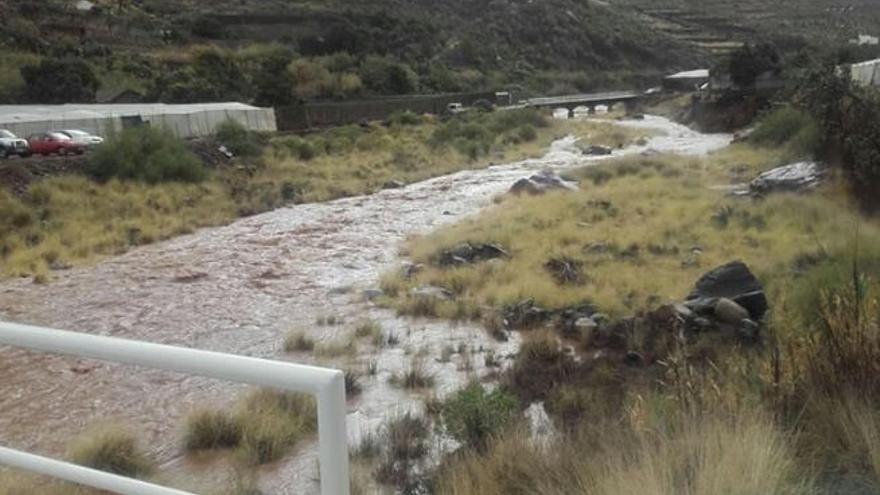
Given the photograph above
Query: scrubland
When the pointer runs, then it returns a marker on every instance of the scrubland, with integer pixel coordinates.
(795, 413)
(142, 189)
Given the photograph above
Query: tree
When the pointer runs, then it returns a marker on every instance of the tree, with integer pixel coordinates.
(273, 82)
(384, 76)
(310, 79)
(401, 79)
(849, 117)
(214, 75)
(750, 61)
(60, 81)
(208, 27)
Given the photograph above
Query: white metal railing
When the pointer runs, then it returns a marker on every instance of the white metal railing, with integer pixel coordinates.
(327, 385)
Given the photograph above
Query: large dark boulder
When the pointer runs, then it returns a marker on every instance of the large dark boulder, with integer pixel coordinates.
(465, 253)
(542, 182)
(733, 281)
(597, 150)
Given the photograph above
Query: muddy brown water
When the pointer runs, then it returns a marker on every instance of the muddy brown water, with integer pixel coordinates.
(239, 289)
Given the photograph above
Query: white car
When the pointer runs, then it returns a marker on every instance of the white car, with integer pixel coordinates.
(454, 108)
(83, 137)
(10, 144)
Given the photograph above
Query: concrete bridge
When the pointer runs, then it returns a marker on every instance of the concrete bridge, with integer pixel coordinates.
(589, 101)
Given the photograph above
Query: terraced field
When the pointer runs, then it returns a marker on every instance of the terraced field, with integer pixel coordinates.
(721, 26)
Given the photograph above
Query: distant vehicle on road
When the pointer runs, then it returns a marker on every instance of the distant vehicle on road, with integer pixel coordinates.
(454, 108)
(10, 144)
(83, 137)
(54, 142)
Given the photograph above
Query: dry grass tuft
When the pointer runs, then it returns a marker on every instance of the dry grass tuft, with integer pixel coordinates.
(206, 429)
(368, 329)
(110, 449)
(405, 444)
(414, 377)
(336, 348)
(298, 342)
(272, 423)
(264, 428)
(704, 455)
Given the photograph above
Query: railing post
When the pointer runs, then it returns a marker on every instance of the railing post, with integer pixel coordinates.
(333, 455)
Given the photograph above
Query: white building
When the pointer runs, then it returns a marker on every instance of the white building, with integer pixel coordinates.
(189, 120)
(865, 39)
(867, 73)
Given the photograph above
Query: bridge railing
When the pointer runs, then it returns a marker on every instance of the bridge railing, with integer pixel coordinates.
(326, 385)
(585, 98)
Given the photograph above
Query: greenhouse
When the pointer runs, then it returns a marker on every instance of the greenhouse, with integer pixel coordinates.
(185, 121)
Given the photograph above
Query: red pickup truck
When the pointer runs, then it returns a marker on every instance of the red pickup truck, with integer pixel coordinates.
(54, 142)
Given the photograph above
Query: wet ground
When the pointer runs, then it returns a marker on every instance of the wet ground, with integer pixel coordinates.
(240, 289)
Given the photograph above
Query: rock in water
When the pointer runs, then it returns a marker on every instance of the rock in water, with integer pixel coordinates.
(393, 184)
(794, 177)
(542, 182)
(597, 150)
(736, 282)
(372, 293)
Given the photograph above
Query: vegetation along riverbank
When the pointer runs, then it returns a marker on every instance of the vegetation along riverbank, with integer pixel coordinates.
(144, 185)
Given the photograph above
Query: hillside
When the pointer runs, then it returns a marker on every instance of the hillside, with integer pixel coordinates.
(719, 26)
(449, 45)
(336, 50)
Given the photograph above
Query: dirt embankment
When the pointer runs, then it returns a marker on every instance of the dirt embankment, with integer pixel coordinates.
(17, 174)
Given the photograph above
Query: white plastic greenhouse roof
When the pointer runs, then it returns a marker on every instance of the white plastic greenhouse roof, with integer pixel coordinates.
(35, 113)
(690, 74)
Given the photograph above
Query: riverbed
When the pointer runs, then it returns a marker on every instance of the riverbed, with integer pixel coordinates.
(240, 289)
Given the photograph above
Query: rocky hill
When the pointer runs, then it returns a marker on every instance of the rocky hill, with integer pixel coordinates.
(443, 45)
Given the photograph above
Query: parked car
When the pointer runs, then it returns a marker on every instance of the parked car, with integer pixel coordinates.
(10, 144)
(54, 142)
(83, 137)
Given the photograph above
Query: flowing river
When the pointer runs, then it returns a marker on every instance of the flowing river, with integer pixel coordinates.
(239, 289)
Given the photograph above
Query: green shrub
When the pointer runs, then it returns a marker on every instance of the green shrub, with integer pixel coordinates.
(788, 126)
(239, 140)
(300, 148)
(511, 119)
(526, 133)
(472, 415)
(831, 274)
(404, 119)
(147, 154)
(112, 450)
(62, 80)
